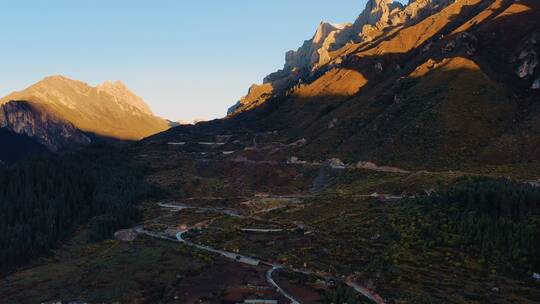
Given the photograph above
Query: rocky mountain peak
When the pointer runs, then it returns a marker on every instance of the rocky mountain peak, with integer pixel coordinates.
(325, 29)
(376, 11)
(59, 82)
(377, 16)
(56, 78)
(123, 94)
(315, 51)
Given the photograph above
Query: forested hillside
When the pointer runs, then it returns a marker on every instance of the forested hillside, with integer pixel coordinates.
(495, 220)
(44, 199)
(20, 146)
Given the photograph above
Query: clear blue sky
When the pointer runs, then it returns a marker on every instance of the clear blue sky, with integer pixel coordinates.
(187, 59)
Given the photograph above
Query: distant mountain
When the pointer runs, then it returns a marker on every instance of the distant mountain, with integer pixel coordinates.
(59, 113)
(434, 81)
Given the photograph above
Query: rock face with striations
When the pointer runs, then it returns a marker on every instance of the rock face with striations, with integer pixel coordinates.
(22, 117)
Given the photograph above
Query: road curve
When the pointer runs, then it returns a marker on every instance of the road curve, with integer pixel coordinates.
(279, 289)
(242, 259)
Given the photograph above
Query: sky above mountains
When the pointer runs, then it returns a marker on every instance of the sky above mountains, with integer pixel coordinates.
(187, 59)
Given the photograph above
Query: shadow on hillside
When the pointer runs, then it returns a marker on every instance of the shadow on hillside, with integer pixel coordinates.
(370, 131)
(20, 147)
(381, 122)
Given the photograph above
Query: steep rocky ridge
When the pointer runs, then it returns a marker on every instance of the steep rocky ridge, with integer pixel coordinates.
(378, 18)
(455, 83)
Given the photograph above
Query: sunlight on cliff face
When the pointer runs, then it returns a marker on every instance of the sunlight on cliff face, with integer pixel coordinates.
(336, 82)
(488, 13)
(446, 64)
(515, 8)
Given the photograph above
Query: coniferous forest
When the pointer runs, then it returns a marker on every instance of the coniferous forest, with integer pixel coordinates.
(495, 220)
(42, 200)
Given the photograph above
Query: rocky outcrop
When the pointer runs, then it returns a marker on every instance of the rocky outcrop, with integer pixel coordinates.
(536, 84)
(335, 163)
(316, 51)
(23, 117)
(125, 235)
(527, 61)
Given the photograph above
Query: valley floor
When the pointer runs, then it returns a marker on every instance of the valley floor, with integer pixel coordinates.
(249, 225)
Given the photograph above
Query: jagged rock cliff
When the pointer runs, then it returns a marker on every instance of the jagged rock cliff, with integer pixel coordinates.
(23, 117)
(315, 51)
(379, 17)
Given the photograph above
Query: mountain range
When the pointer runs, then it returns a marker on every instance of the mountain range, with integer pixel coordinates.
(61, 113)
(403, 84)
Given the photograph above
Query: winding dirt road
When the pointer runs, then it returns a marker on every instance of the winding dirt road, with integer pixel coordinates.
(252, 261)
